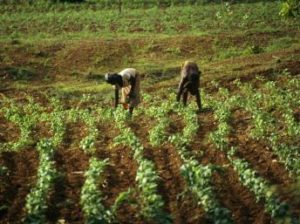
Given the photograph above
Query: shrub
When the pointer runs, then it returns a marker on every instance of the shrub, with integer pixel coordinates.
(289, 8)
(70, 1)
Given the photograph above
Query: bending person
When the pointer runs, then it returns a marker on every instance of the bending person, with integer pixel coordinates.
(189, 83)
(128, 81)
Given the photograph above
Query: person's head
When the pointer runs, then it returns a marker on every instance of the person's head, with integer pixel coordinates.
(191, 67)
(113, 78)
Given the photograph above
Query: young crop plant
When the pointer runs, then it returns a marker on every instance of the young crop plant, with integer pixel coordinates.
(265, 128)
(272, 98)
(293, 89)
(289, 8)
(263, 122)
(147, 179)
(222, 109)
(36, 200)
(26, 117)
(152, 202)
(283, 100)
(157, 134)
(288, 155)
(183, 140)
(56, 104)
(88, 142)
(57, 125)
(198, 179)
(293, 127)
(262, 190)
(91, 197)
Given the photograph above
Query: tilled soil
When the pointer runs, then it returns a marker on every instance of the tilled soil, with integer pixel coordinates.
(71, 163)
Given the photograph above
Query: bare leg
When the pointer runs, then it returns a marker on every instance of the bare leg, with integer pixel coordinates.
(185, 96)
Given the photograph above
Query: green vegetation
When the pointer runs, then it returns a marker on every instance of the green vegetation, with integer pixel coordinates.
(260, 188)
(74, 44)
(166, 161)
(91, 197)
(197, 177)
(290, 8)
(146, 177)
(36, 200)
(63, 22)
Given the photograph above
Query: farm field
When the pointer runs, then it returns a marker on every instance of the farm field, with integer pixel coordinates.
(66, 156)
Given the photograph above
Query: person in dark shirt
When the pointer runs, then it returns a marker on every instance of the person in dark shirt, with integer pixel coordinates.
(189, 83)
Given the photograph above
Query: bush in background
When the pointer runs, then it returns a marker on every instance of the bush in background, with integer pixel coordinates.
(71, 1)
(290, 8)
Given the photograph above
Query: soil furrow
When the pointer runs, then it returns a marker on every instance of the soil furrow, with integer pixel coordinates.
(183, 208)
(119, 175)
(22, 168)
(229, 190)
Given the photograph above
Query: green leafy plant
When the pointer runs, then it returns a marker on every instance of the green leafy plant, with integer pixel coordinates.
(36, 200)
(198, 179)
(26, 117)
(91, 198)
(289, 8)
(146, 177)
(259, 187)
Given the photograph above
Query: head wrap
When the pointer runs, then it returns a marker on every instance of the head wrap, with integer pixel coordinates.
(113, 78)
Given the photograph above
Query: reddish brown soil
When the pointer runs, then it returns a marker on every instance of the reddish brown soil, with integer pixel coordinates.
(42, 130)
(71, 161)
(168, 162)
(257, 152)
(22, 168)
(74, 59)
(64, 202)
(230, 192)
(120, 173)
(12, 130)
(263, 160)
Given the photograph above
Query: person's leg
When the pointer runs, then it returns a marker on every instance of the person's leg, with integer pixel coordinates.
(185, 97)
(131, 110)
(198, 100)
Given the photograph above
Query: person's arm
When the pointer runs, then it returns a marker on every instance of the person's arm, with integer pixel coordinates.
(116, 96)
(180, 89)
(132, 82)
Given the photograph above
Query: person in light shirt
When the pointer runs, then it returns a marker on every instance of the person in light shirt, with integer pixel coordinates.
(128, 81)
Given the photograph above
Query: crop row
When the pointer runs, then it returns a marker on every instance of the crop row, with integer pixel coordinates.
(265, 125)
(25, 117)
(197, 177)
(36, 200)
(248, 177)
(146, 178)
(261, 189)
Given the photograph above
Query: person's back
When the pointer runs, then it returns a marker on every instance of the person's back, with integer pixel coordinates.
(126, 74)
(128, 81)
(189, 83)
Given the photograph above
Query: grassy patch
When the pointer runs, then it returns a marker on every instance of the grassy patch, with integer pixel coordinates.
(61, 22)
(233, 52)
(282, 43)
(75, 44)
